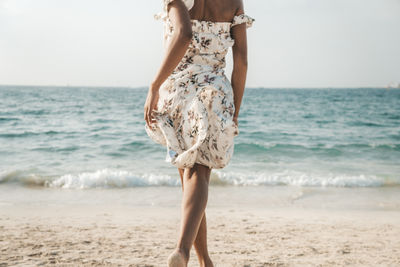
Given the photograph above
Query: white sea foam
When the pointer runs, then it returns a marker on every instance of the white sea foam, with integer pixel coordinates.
(111, 178)
(107, 178)
(3, 175)
(300, 179)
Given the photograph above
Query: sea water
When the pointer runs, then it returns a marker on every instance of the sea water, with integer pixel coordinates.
(87, 137)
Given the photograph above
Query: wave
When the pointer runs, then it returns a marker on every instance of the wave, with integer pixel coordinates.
(57, 149)
(34, 112)
(105, 178)
(109, 178)
(331, 149)
(304, 179)
(28, 134)
(365, 123)
(137, 146)
(9, 119)
(22, 178)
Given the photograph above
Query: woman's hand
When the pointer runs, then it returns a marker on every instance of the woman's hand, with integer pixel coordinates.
(235, 120)
(151, 104)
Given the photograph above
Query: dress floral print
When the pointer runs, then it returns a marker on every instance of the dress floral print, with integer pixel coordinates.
(194, 116)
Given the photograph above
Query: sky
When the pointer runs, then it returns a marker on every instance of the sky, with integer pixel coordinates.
(293, 43)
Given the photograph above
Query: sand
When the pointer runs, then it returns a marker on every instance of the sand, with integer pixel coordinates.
(122, 235)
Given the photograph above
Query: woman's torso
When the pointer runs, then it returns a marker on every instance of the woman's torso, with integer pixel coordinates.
(211, 35)
(212, 10)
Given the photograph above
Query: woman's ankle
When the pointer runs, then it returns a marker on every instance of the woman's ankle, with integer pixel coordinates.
(185, 253)
(205, 262)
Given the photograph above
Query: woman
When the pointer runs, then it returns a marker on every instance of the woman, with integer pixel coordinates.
(192, 108)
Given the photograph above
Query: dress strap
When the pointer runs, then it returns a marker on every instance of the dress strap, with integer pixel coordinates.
(242, 18)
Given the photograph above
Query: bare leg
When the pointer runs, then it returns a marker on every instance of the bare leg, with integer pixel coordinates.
(200, 244)
(194, 201)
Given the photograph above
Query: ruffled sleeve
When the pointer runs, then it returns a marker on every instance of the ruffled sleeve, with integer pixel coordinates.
(166, 3)
(164, 14)
(243, 18)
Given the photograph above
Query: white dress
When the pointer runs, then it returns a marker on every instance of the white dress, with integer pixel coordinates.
(195, 108)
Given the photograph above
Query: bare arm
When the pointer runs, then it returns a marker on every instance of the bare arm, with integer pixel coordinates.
(176, 49)
(239, 73)
(179, 41)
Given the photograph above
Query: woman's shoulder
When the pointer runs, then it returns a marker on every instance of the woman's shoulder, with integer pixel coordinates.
(233, 11)
(188, 3)
(240, 16)
(164, 14)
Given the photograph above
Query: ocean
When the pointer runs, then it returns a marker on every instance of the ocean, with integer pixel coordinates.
(82, 138)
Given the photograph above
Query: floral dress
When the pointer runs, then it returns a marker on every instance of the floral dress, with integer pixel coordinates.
(194, 115)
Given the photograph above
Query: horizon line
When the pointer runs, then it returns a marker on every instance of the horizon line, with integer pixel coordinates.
(247, 87)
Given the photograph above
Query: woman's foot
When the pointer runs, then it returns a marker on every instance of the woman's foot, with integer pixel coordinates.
(177, 259)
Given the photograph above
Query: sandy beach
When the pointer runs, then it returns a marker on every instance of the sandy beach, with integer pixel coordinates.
(93, 233)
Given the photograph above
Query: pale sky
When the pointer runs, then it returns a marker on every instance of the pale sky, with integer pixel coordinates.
(293, 43)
